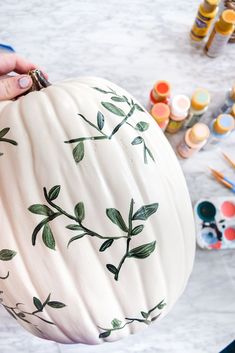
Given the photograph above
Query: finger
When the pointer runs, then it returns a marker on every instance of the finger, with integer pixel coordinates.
(12, 87)
(14, 62)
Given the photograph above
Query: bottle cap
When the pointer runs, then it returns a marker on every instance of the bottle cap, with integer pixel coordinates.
(232, 93)
(160, 112)
(180, 105)
(198, 133)
(223, 124)
(210, 5)
(233, 111)
(161, 90)
(200, 99)
(227, 20)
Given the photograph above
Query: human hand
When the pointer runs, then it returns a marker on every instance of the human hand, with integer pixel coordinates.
(13, 86)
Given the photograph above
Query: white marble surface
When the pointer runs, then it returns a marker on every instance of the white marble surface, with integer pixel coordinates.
(134, 43)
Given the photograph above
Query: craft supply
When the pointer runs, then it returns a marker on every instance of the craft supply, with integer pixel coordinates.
(230, 4)
(229, 160)
(6, 48)
(199, 105)
(223, 180)
(221, 128)
(161, 112)
(215, 222)
(159, 93)
(221, 33)
(179, 105)
(228, 103)
(194, 139)
(232, 111)
(206, 13)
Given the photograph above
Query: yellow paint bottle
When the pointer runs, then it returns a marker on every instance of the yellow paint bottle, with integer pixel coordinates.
(206, 13)
(221, 33)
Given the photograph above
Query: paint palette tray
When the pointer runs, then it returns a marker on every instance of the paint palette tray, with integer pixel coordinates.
(215, 222)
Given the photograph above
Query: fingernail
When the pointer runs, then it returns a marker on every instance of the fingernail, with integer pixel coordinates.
(25, 82)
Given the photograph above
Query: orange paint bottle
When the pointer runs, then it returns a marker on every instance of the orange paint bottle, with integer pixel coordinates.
(160, 93)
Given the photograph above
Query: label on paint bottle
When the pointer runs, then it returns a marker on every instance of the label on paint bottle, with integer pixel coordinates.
(184, 150)
(174, 126)
(216, 43)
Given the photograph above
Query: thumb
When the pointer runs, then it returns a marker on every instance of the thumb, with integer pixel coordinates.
(12, 87)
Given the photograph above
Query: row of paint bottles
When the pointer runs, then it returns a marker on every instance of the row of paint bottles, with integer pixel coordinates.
(201, 136)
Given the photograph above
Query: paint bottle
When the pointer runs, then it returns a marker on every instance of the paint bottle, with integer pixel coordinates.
(228, 103)
(220, 128)
(195, 138)
(160, 93)
(232, 111)
(206, 13)
(230, 4)
(161, 112)
(199, 105)
(220, 34)
(179, 105)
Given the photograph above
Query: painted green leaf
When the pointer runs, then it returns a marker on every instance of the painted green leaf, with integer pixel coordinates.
(137, 140)
(149, 152)
(47, 237)
(144, 212)
(142, 126)
(54, 192)
(100, 90)
(113, 108)
(116, 323)
(41, 209)
(137, 229)
(139, 107)
(142, 251)
(47, 300)
(79, 211)
(161, 305)
(145, 315)
(112, 268)
(100, 120)
(155, 317)
(37, 303)
(104, 334)
(78, 152)
(41, 225)
(56, 305)
(106, 244)
(75, 238)
(115, 216)
(3, 132)
(118, 99)
(6, 254)
(74, 227)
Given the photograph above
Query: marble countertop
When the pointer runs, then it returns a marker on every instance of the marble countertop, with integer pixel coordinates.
(134, 43)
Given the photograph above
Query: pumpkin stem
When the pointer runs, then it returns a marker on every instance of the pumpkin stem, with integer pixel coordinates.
(39, 80)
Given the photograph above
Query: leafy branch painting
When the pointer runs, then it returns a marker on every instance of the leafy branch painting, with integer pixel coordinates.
(144, 318)
(128, 228)
(6, 255)
(3, 132)
(17, 313)
(141, 126)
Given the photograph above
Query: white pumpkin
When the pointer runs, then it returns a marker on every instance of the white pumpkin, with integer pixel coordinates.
(97, 233)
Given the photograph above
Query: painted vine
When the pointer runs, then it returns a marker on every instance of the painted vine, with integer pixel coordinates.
(144, 318)
(129, 229)
(3, 132)
(6, 255)
(141, 126)
(18, 313)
